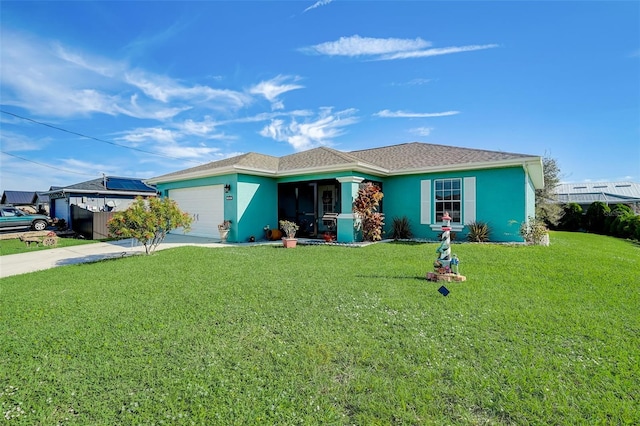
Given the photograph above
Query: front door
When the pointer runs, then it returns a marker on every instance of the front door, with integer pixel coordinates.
(305, 203)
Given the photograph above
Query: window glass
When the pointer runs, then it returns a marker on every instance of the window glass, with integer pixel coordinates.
(448, 196)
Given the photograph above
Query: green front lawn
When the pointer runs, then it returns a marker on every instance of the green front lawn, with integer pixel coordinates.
(15, 246)
(328, 335)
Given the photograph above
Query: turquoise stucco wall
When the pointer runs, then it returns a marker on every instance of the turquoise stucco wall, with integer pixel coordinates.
(504, 198)
(501, 201)
(250, 204)
(257, 206)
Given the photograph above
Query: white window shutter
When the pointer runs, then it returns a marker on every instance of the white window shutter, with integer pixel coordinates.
(469, 188)
(425, 202)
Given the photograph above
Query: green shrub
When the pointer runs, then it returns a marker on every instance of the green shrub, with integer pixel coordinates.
(595, 217)
(572, 218)
(611, 222)
(478, 232)
(534, 231)
(635, 228)
(401, 228)
(148, 221)
(624, 227)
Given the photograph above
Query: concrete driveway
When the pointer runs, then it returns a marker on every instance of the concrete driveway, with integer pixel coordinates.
(23, 263)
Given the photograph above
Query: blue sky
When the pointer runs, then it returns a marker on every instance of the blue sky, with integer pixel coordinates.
(162, 86)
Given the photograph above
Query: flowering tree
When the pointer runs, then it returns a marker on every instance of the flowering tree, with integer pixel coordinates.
(148, 221)
(366, 206)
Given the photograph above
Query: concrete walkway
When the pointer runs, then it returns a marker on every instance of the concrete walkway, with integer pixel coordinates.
(23, 263)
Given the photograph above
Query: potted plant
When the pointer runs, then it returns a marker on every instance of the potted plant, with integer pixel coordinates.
(328, 236)
(224, 228)
(289, 228)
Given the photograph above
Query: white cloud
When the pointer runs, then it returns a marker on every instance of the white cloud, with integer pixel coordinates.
(51, 79)
(385, 113)
(178, 151)
(95, 64)
(165, 89)
(153, 134)
(275, 87)
(422, 131)
(170, 143)
(15, 142)
(318, 4)
(359, 46)
(386, 48)
(435, 52)
(313, 132)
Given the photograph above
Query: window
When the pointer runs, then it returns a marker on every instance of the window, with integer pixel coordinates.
(448, 198)
(456, 196)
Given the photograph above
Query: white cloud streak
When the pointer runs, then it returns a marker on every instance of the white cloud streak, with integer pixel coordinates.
(385, 49)
(312, 132)
(49, 79)
(385, 113)
(422, 131)
(435, 52)
(317, 4)
(275, 87)
(361, 46)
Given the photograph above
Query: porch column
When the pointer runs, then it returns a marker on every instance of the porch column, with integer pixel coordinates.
(346, 219)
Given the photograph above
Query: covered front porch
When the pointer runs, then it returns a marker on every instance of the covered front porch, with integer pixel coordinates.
(321, 207)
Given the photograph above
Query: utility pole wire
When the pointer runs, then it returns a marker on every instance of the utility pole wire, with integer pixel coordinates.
(96, 139)
(47, 165)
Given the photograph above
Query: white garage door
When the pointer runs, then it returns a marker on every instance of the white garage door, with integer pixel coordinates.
(205, 204)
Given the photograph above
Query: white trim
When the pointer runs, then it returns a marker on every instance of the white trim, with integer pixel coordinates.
(454, 227)
(350, 179)
(425, 202)
(469, 199)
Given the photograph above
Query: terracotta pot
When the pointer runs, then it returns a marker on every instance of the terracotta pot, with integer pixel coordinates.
(274, 234)
(289, 242)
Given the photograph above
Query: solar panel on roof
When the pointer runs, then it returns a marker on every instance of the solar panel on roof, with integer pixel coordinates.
(128, 185)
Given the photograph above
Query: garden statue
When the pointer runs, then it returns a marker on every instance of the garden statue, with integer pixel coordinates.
(455, 262)
(445, 266)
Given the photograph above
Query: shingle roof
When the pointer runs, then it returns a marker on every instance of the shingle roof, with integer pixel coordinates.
(416, 155)
(251, 160)
(388, 159)
(314, 158)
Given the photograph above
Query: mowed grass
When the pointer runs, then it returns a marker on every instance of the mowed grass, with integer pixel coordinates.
(328, 335)
(15, 246)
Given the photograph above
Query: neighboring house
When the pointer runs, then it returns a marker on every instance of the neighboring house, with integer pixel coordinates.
(420, 181)
(610, 193)
(104, 194)
(33, 201)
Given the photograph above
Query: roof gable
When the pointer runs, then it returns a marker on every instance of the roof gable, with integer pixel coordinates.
(315, 158)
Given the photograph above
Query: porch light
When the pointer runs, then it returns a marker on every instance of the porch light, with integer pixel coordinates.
(227, 187)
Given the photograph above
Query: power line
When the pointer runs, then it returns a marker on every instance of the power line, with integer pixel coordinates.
(96, 139)
(47, 165)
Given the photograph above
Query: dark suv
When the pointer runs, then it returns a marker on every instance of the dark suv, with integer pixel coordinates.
(12, 217)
